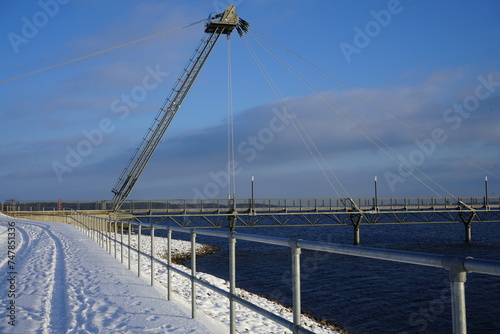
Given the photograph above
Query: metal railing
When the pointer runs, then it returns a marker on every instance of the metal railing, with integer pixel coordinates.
(101, 230)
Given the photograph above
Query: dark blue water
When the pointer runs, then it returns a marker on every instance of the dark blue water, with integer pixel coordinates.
(370, 296)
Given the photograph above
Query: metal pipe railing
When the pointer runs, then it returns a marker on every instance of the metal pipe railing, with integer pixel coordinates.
(458, 267)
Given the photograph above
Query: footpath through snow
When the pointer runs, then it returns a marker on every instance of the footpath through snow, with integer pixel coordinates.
(64, 282)
(55, 280)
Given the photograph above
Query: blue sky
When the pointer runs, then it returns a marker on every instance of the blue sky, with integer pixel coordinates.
(69, 131)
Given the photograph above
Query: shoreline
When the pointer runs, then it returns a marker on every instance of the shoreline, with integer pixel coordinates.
(180, 257)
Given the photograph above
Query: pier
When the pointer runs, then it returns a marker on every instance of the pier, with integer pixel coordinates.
(240, 213)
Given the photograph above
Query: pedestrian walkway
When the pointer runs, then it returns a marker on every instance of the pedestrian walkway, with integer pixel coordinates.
(56, 280)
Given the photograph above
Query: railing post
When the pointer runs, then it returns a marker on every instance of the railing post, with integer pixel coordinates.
(129, 252)
(121, 242)
(102, 226)
(99, 234)
(457, 285)
(109, 236)
(139, 250)
(96, 231)
(296, 284)
(87, 227)
(105, 234)
(458, 276)
(116, 235)
(103, 237)
(169, 261)
(101, 229)
(232, 283)
(152, 254)
(193, 274)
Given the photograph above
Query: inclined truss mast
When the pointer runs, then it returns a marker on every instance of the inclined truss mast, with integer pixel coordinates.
(229, 20)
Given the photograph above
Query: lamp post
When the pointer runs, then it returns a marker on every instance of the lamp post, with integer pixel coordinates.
(252, 204)
(375, 204)
(486, 202)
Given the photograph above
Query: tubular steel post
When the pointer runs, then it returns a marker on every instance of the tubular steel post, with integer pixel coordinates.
(193, 274)
(90, 223)
(169, 261)
(458, 276)
(152, 254)
(253, 200)
(106, 229)
(467, 221)
(109, 236)
(139, 250)
(90, 230)
(468, 232)
(96, 231)
(116, 236)
(128, 249)
(486, 200)
(121, 242)
(100, 237)
(232, 283)
(357, 239)
(104, 240)
(458, 304)
(296, 284)
(104, 235)
(101, 232)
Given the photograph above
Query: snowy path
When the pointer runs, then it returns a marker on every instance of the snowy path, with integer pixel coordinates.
(63, 283)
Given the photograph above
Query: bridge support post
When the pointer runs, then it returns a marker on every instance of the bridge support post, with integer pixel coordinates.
(468, 232)
(232, 223)
(357, 238)
(467, 221)
(356, 222)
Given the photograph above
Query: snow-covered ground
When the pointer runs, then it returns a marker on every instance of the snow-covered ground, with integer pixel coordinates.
(55, 280)
(65, 282)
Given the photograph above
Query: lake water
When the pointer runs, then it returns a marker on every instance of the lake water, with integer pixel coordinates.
(370, 296)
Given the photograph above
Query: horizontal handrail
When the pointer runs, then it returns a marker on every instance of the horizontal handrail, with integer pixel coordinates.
(489, 267)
